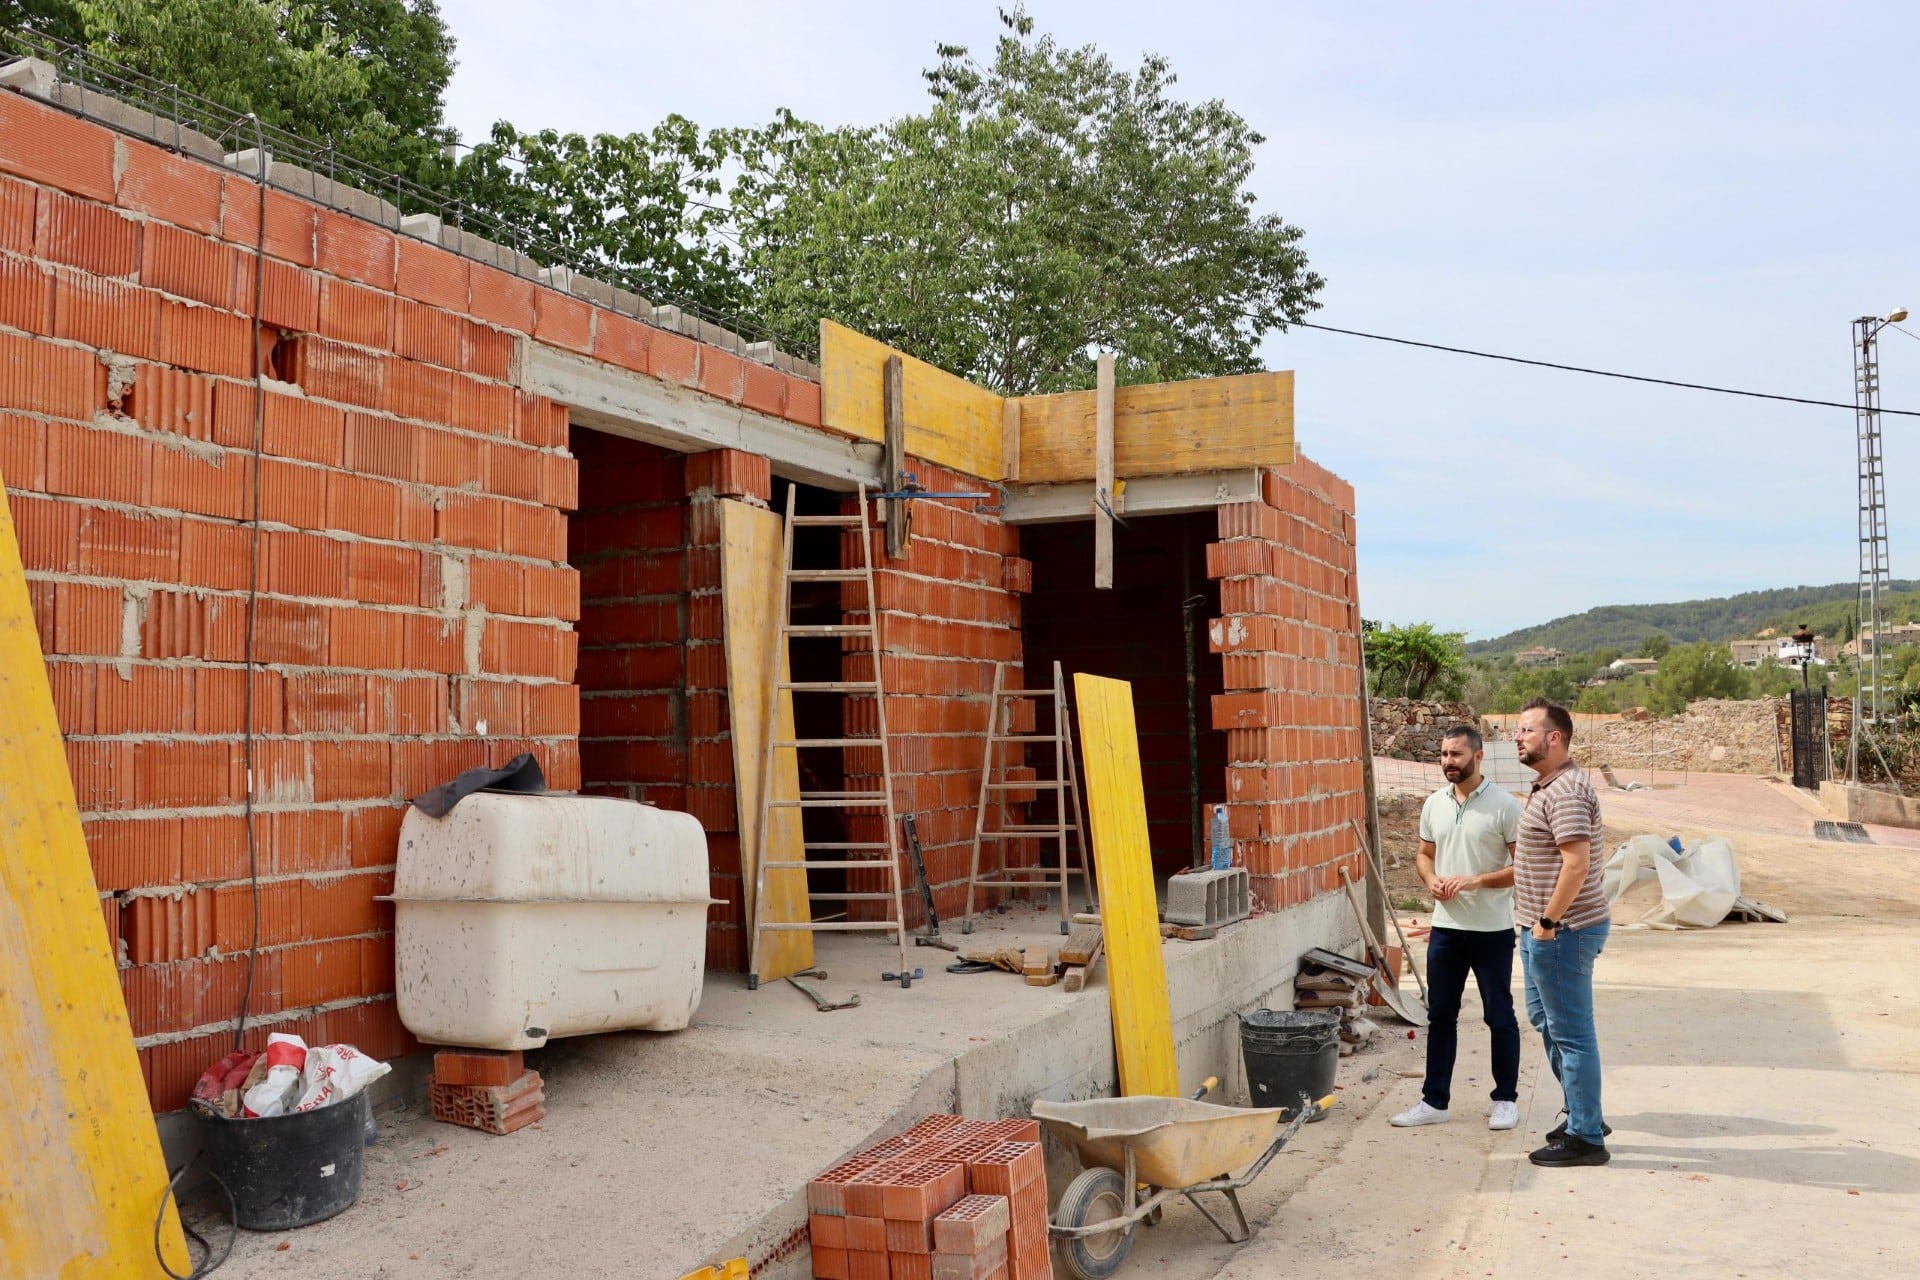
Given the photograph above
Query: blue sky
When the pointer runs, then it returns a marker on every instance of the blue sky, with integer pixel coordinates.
(1703, 191)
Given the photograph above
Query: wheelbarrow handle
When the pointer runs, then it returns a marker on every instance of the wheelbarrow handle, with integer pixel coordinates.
(1208, 1086)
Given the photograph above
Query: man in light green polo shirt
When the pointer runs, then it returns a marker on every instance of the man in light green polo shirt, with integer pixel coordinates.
(1467, 830)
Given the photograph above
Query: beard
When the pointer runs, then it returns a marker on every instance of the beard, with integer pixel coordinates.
(1531, 755)
(1455, 772)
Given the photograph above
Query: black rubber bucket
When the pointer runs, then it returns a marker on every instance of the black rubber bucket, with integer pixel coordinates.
(1288, 1053)
(289, 1171)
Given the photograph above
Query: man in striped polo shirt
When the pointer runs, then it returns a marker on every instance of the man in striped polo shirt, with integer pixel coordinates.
(1563, 916)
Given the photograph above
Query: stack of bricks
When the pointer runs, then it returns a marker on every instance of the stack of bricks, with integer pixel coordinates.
(910, 1208)
(1289, 640)
(486, 1089)
(949, 611)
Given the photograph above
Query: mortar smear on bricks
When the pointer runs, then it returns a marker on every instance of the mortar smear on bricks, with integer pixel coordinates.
(441, 584)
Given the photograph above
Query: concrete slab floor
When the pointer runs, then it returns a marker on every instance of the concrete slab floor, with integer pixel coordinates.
(659, 1150)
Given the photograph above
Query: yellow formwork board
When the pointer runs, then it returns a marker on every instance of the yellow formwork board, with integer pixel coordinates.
(949, 420)
(751, 547)
(1162, 428)
(81, 1174)
(1123, 865)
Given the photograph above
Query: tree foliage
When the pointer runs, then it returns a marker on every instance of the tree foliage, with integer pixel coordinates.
(369, 75)
(1691, 672)
(1414, 661)
(650, 205)
(1046, 204)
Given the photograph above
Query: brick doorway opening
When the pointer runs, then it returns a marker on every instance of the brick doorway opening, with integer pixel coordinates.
(1137, 631)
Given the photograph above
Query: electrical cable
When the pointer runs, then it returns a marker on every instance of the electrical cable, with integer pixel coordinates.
(208, 1263)
(1602, 373)
(253, 576)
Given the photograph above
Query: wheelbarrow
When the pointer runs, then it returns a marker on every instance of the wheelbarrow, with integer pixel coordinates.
(1140, 1153)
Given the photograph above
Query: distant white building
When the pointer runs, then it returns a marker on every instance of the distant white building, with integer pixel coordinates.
(1634, 666)
(1539, 656)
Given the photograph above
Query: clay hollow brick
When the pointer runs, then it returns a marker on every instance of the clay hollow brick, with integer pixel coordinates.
(971, 1224)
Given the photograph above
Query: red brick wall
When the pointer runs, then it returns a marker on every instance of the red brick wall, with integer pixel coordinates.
(413, 575)
(1289, 641)
(1135, 632)
(947, 615)
(629, 542)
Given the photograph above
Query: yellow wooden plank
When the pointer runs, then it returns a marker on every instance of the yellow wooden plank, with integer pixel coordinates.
(81, 1174)
(1163, 428)
(949, 420)
(750, 552)
(1123, 864)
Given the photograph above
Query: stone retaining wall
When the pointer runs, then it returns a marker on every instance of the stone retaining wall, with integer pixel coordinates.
(1410, 728)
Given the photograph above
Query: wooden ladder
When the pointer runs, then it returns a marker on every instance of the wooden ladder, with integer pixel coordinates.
(1064, 785)
(845, 855)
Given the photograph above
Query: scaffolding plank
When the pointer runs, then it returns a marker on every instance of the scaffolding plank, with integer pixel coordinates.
(948, 420)
(81, 1174)
(750, 551)
(1123, 864)
(1163, 428)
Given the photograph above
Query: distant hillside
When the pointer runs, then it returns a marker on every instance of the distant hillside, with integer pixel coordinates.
(1830, 618)
(1626, 626)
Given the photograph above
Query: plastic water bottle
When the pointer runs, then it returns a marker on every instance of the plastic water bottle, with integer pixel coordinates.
(1222, 842)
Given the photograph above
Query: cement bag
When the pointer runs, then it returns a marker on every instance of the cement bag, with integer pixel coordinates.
(336, 1072)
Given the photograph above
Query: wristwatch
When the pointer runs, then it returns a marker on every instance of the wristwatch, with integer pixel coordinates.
(1549, 923)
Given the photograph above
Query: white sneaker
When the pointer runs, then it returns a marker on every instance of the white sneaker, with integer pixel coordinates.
(1418, 1114)
(1505, 1115)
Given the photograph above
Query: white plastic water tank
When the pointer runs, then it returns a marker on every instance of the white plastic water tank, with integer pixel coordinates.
(520, 917)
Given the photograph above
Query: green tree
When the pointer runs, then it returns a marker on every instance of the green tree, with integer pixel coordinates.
(1655, 646)
(368, 75)
(1605, 657)
(1415, 661)
(1599, 700)
(1691, 672)
(1045, 205)
(649, 205)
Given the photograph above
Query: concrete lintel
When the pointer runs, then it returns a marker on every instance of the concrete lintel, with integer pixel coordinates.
(1145, 496)
(630, 404)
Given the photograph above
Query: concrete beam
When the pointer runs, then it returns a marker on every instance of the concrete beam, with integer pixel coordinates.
(1145, 496)
(624, 403)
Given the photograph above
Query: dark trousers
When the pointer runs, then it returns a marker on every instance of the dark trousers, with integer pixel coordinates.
(1451, 955)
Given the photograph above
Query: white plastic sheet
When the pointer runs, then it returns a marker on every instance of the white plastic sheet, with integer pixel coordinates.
(1697, 887)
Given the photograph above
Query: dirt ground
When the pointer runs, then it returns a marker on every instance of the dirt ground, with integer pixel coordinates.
(1759, 1080)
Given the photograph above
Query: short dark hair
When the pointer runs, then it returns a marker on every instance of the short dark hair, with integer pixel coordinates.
(1467, 731)
(1556, 716)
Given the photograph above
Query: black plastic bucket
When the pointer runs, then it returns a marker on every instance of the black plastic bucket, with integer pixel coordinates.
(1288, 1053)
(289, 1171)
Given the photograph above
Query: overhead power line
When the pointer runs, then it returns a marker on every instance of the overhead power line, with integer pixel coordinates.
(1600, 373)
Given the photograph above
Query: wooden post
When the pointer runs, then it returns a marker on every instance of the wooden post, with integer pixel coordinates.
(897, 512)
(1103, 475)
(1010, 438)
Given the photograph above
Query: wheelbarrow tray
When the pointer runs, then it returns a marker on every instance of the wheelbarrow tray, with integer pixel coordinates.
(1176, 1142)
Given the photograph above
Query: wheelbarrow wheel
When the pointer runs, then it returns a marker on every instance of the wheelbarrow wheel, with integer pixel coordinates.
(1096, 1196)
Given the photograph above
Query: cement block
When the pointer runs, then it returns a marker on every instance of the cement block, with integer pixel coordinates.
(629, 303)
(761, 352)
(30, 76)
(422, 226)
(1209, 897)
(674, 320)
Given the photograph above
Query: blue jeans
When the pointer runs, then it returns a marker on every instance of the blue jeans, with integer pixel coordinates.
(1560, 1006)
(1451, 955)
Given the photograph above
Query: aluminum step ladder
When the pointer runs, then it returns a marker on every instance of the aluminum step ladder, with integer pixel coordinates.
(991, 825)
(850, 856)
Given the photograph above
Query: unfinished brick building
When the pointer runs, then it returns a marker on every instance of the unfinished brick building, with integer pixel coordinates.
(413, 504)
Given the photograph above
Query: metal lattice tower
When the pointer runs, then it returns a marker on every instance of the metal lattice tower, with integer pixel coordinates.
(1874, 703)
